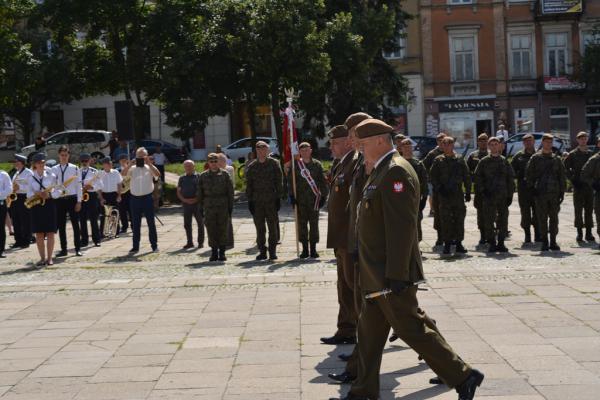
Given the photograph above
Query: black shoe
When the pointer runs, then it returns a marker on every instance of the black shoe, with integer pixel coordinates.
(273, 252)
(84, 244)
(527, 237)
(589, 236)
(262, 255)
(545, 245)
(304, 253)
(482, 240)
(78, 253)
(460, 248)
(24, 246)
(446, 248)
(554, 246)
(313, 251)
(349, 397)
(345, 357)
(339, 340)
(62, 253)
(222, 254)
(579, 237)
(466, 390)
(501, 248)
(393, 337)
(214, 255)
(134, 250)
(188, 246)
(97, 244)
(344, 377)
(155, 249)
(200, 245)
(15, 245)
(2, 255)
(492, 248)
(436, 381)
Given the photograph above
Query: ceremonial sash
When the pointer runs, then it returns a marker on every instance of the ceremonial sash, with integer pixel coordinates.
(305, 173)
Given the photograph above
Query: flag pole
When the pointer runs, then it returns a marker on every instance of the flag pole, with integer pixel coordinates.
(290, 119)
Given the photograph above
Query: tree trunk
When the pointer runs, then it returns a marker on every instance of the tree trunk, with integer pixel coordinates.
(275, 108)
(22, 119)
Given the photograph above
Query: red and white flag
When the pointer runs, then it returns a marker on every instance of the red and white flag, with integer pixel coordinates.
(290, 135)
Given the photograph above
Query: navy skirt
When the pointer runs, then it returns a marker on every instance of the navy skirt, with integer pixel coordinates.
(43, 218)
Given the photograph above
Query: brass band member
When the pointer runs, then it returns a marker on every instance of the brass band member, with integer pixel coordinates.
(91, 185)
(111, 189)
(20, 214)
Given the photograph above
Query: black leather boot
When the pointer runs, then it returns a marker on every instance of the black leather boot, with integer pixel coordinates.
(527, 236)
(579, 237)
(482, 240)
(553, 245)
(492, 247)
(589, 236)
(313, 251)
(460, 248)
(545, 245)
(304, 253)
(222, 254)
(273, 252)
(446, 248)
(501, 248)
(214, 256)
(262, 255)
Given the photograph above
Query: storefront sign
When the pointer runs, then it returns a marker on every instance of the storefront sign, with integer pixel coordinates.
(561, 83)
(466, 105)
(561, 6)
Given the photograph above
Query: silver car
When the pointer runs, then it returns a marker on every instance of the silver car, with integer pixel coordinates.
(89, 141)
(240, 148)
(514, 144)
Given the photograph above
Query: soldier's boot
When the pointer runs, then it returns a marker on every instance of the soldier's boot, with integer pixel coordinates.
(222, 254)
(460, 248)
(545, 245)
(482, 240)
(501, 248)
(273, 252)
(527, 236)
(579, 237)
(537, 237)
(262, 255)
(304, 253)
(492, 248)
(313, 251)
(589, 236)
(439, 241)
(553, 245)
(446, 248)
(214, 256)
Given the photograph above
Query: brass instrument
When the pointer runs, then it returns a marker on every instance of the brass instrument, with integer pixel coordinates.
(86, 196)
(111, 221)
(65, 185)
(126, 184)
(36, 200)
(13, 196)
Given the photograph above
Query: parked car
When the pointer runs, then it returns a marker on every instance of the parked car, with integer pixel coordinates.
(238, 150)
(79, 141)
(173, 153)
(514, 144)
(422, 145)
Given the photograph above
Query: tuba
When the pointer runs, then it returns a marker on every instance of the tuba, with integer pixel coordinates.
(111, 221)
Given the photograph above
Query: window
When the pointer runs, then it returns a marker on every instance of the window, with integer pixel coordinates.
(460, 1)
(463, 56)
(521, 56)
(556, 54)
(94, 118)
(400, 51)
(524, 120)
(559, 121)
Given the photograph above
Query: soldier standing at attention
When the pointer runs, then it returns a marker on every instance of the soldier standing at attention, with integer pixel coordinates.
(472, 161)
(545, 174)
(390, 199)
(495, 186)
(428, 162)
(398, 139)
(407, 153)
(583, 194)
(187, 189)
(215, 196)
(264, 188)
(526, 197)
(591, 175)
(449, 174)
(311, 195)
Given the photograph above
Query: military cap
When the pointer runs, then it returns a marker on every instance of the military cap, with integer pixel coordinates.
(123, 157)
(582, 134)
(212, 157)
(483, 136)
(355, 119)
(372, 127)
(303, 145)
(528, 136)
(493, 139)
(338, 131)
(261, 144)
(399, 136)
(51, 163)
(547, 136)
(84, 157)
(106, 160)
(441, 135)
(37, 157)
(20, 158)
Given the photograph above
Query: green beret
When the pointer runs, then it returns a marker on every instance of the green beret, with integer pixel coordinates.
(372, 127)
(212, 157)
(338, 131)
(303, 145)
(355, 119)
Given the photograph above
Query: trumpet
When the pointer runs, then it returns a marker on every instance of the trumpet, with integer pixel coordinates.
(86, 196)
(111, 221)
(36, 200)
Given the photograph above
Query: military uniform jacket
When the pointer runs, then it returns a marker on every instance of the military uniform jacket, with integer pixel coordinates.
(546, 174)
(494, 178)
(590, 172)
(422, 174)
(519, 165)
(574, 164)
(337, 207)
(387, 225)
(449, 174)
(359, 178)
(264, 181)
(474, 159)
(304, 194)
(215, 190)
(430, 157)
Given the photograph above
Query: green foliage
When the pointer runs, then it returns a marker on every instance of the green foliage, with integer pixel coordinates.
(589, 66)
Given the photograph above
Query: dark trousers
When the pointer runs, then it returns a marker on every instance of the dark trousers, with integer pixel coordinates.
(64, 206)
(143, 205)
(348, 314)
(583, 202)
(193, 211)
(308, 224)
(125, 210)
(21, 220)
(265, 217)
(547, 207)
(527, 206)
(89, 212)
(110, 199)
(3, 211)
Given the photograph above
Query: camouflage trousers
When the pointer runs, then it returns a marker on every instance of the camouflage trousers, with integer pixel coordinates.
(527, 206)
(308, 223)
(218, 222)
(265, 217)
(547, 207)
(495, 215)
(452, 211)
(477, 203)
(583, 200)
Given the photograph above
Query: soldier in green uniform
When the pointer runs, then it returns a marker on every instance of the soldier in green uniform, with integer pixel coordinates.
(264, 189)
(449, 175)
(495, 186)
(390, 273)
(591, 175)
(215, 195)
(545, 174)
(472, 161)
(398, 139)
(407, 153)
(428, 162)
(583, 194)
(311, 195)
(526, 197)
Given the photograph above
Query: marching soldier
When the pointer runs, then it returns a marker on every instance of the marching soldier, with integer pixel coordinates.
(124, 213)
(525, 192)
(91, 184)
(545, 174)
(591, 175)
(428, 163)
(472, 161)
(187, 190)
(311, 195)
(67, 175)
(20, 214)
(390, 274)
(215, 196)
(264, 189)
(494, 185)
(449, 174)
(583, 194)
(407, 153)
(111, 190)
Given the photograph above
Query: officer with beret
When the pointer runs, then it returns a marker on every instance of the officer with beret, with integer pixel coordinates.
(390, 273)
(472, 161)
(20, 214)
(525, 192)
(590, 174)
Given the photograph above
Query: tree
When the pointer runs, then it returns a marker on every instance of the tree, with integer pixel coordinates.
(589, 65)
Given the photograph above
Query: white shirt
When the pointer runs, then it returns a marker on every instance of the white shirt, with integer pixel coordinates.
(142, 181)
(86, 175)
(22, 179)
(5, 186)
(63, 173)
(381, 159)
(159, 158)
(110, 180)
(503, 133)
(39, 183)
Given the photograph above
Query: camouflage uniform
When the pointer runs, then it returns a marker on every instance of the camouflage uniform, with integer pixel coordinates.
(305, 200)
(215, 195)
(422, 174)
(526, 197)
(428, 163)
(495, 186)
(472, 162)
(448, 175)
(591, 175)
(545, 174)
(264, 189)
(583, 194)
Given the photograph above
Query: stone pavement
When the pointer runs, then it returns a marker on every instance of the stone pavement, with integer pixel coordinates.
(174, 326)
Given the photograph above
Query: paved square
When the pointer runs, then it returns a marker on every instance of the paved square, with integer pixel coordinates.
(174, 326)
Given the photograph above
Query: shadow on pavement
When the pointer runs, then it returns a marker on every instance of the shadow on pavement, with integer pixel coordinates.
(553, 254)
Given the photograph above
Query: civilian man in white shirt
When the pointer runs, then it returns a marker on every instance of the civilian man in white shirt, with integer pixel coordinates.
(142, 175)
(5, 190)
(111, 190)
(20, 214)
